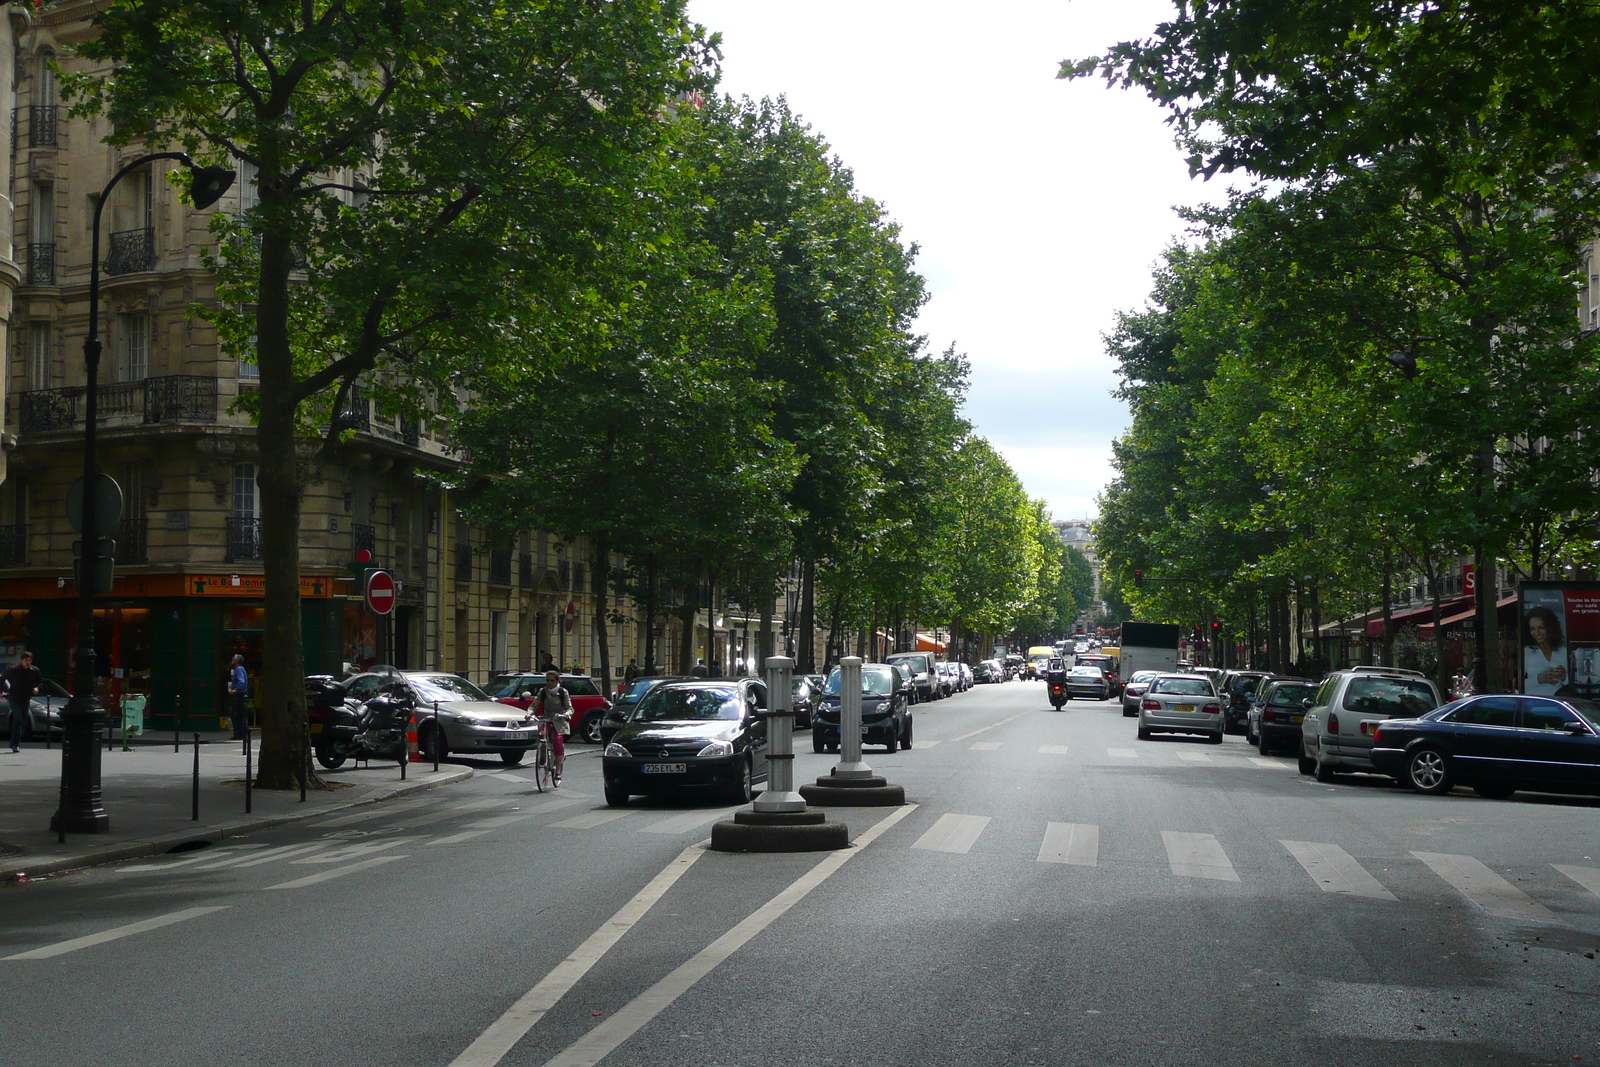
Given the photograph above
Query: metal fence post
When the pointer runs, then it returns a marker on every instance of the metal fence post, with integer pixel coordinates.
(305, 755)
(177, 720)
(437, 736)
(194, 811)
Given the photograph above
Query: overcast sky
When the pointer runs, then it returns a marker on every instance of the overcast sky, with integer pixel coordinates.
(1040, 206)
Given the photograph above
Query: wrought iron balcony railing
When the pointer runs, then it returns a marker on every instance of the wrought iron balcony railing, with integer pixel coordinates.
(41, 264)
(363, 536)
(411, 431)
(41, 410)
(14, 545)
(41, 126)
(133, 540)
(131, 251)
(171, 397)
(357, 412)
(244, 539)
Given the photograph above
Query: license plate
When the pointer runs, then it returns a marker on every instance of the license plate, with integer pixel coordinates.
(517, 735)
(663, 768)
(1183, 707)
(1297, 718)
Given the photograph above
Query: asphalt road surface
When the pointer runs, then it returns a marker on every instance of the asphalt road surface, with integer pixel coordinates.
(1057, 893)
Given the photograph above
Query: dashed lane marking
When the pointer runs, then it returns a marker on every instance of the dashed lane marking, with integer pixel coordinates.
(337, 872)
(1126, 753)
(116, 934)
(1475, 881)
(1053, 750)
(689, 820)
(1197, 856)
(1071, 842)
(374, 811)
(355, 851)
(1270, 764)
(985, 746)
(1194, 757)
(1588, 877)
(1335, 870)
(953, 833)
(592, 819)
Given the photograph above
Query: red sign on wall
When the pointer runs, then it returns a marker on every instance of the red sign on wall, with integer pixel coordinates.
(1469, 579)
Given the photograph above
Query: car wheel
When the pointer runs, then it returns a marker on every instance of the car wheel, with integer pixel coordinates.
(1144, 733)
(1128, 713)
(589, 727)
(434, 738)
(1261, 743)
(745, 790)
(893, 744)
(330, 758)
(1428, 771)
(817, 744)
(1494, 790)
(905, 742)
(511, 758)
(615, 797)
(1307, 764)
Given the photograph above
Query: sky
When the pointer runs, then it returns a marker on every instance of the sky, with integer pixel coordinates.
(1040, 206)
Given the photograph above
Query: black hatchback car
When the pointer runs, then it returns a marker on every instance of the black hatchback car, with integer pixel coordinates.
(1496, 743)
(885, 714)
(706, 735)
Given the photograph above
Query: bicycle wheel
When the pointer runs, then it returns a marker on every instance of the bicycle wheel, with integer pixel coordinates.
(541, 766)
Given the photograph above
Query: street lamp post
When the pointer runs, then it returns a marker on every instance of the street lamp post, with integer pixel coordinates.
(81, 810)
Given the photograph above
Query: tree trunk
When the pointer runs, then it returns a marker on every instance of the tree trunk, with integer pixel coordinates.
(807, 658)
(1318, 664)
(1388, 611)
(650, 615)
(1300, 625)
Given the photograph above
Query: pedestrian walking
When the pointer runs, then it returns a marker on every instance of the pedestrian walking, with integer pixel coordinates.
(699, 669)
(20, 682)
(630, 672)
(238, 690)
(554, 708)
(716, 669)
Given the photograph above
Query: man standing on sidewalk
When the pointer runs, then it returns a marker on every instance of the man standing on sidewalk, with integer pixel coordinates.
(20, 682)
(238, 689)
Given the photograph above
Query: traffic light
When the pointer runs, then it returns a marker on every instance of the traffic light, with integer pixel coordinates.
(1216, 628)
(1138, 578)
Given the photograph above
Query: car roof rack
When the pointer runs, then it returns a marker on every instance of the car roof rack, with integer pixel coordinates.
(1403, 671)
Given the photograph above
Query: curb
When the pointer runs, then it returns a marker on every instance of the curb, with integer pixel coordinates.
(212, 833)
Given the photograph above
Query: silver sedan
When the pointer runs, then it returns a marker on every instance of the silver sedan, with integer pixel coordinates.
(1181, 704)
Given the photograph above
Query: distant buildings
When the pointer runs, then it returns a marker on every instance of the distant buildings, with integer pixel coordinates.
(1079, 534)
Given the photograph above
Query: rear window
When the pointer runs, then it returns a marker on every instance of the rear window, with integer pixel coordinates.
(1186, 687)
(640, 687)
(1403, 698)
(581, 687)
(1291, 695)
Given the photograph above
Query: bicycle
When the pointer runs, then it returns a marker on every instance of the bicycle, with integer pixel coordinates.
(543, 760)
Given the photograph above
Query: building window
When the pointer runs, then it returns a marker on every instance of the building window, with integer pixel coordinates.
(39, 354)
(42, 219)
(246, 502)
(133, 329)
(249, 186)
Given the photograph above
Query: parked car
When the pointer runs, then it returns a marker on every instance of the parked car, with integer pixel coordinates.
(1238, 687)
(1014, 665)
(589, 705)
(803, 701)
(949, 679)
(705, 735)
(966, 675)
(616, 717)
(1137, 683)
(1276, 709)
(44, 712)
(1181, 703)
(470, 722)
(988, 671)
(1088, 681)
(1336, 733)
(924, 676)
(1496, 743)
(885, 716)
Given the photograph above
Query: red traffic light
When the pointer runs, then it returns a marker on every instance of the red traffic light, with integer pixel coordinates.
(363, 555)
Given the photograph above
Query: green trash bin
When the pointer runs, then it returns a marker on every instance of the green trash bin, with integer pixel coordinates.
(132, 717)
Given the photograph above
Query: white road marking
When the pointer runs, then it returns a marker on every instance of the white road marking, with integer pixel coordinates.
(1126, 752)
(1194, 757)
(507, 776)
(604, 1039)
(592, 819)
(953, 833)
(89, 941)
(502, 820)
(256, 861)
(481, 828)
(984, 746)
(981, 729)
(337, 872)
(1475, 881)
(1071, 842)
(1197, 856)
(373, 811)
(1335, 870)
(1053, 750)
(458, 809)
(207, 854)
(1588, 877)
(1270, 764)
(271, 855)
(506, 1031)
(928, 744)
(689, 820)
(356, 851)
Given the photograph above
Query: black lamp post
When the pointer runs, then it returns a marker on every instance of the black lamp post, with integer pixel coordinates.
(81, 810)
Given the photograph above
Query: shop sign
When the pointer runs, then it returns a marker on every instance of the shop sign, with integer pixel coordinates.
(248, 585)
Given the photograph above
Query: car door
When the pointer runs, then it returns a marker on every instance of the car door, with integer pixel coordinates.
(755, 726)
(1484, 738)
(1557, 746)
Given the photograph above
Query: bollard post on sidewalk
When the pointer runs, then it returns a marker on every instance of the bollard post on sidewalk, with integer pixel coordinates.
(194, 810)
(437, 737)
(305, 755)
(177, 721)
(247, 773)
(852, 783)
(779, 794)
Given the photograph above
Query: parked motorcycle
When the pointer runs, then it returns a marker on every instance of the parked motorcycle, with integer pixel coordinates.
(343, 729)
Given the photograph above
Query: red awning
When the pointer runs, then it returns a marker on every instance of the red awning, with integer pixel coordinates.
(1450, 620)
(1375, 626)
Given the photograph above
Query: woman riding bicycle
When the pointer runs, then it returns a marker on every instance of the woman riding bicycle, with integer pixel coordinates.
(553, 707)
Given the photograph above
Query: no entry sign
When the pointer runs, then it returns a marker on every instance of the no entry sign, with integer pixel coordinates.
(572, 616)
(380, 592)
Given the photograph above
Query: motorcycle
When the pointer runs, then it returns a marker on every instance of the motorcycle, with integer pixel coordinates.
(1058, 693)
(344, 729)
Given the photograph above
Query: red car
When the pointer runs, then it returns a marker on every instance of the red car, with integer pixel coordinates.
(589, 705)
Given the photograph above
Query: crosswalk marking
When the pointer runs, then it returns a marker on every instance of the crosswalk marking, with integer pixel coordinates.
(1194, 757)
(1475, 881)
(592, 819)
(953, 833)
(689, 820)
(1588, 877)
(251, 859)
(62, 948)
(337, 872)
(1197, 856)
(1053, 750)
(458, 809)
(1071, 842)
(1127, 752)
(508, 776)
(985, 746)
(1335, 870)
(373, 811)
(355, 850)
(1270, 764)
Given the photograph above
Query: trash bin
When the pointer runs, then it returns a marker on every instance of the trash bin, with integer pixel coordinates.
(132, 717)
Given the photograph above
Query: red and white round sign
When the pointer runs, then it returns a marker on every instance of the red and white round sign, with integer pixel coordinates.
(380, 592)
(572, 616)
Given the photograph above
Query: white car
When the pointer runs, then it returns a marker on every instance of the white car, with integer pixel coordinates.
(1181, 704)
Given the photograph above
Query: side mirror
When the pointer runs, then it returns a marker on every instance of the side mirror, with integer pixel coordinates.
(1577, 729)
(1308, 703)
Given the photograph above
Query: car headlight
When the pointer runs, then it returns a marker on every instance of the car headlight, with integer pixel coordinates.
(614, 749)
(468, 720)
(717, 748)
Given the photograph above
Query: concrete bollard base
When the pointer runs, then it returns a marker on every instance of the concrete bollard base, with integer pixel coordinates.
(872, 791)
(779, 831)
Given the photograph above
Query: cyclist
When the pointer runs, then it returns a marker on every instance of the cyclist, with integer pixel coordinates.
(554, 709)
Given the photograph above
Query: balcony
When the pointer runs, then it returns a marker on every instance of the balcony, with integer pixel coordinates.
(41, 125)
(500, 566)
(244, 539)
(133, 541)
(168, 398)
(463, 562)
(357, 413)
(42, 410)
(41, 264)
(186, 397)
(14, 545)
(131, 251)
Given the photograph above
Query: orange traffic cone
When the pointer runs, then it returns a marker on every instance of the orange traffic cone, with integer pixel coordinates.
(413, 750)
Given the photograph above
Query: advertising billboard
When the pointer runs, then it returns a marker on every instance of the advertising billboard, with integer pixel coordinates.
(1558, 627)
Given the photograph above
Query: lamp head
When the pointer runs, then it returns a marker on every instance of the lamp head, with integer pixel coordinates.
(207, 184)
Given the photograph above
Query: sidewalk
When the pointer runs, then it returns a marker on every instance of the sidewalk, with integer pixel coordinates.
(148, 792)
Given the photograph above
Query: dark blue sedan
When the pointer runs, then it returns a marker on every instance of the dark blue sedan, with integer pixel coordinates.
(1497, 743)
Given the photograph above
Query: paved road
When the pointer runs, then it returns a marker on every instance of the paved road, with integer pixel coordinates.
(1059, 893)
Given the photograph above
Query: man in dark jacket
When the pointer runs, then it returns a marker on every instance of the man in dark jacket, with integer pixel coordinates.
(20, 682)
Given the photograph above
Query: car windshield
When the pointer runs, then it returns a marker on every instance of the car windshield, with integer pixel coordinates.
(445, 688)
(1292, 695)
(1391, 697)
(1186, 687)
(689, 704)
(874, 683)
(1247, 684)
(911, 663)
(640, 687)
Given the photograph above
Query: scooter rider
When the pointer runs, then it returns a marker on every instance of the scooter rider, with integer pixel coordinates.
(1055, 674)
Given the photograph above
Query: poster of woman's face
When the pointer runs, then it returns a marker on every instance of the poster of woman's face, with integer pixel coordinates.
(1544, 646)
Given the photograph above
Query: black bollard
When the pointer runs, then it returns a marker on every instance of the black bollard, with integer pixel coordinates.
(177, 721)
(405, 755)
(437, 737)
(305, 755)
(194, 811)
(61, 824)
(247, 774)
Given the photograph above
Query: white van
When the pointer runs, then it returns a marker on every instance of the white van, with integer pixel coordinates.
(924, 682)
